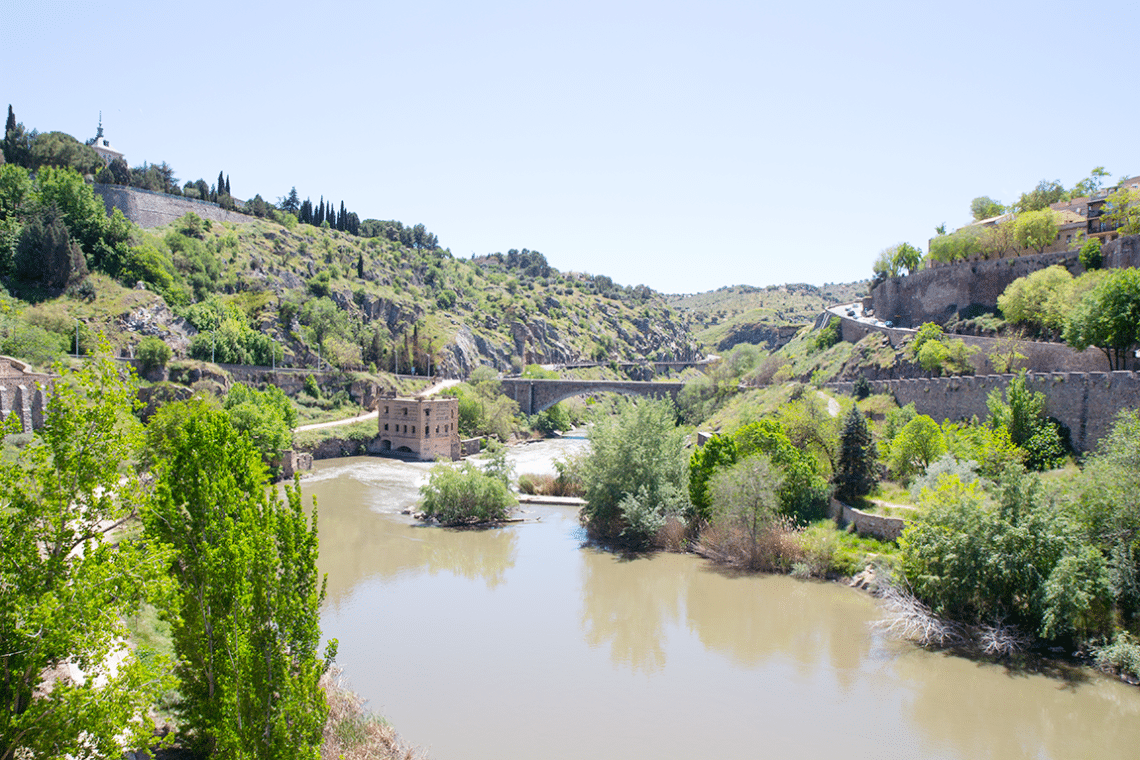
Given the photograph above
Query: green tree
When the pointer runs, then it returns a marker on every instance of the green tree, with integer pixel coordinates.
(45, 254)
(1108, 317)
(267, 417)
(1091, 184)
(1036, 229)
(803, 489)
(323, 319)
(959, 245)
(153, 353)
(1041, 299)
(635, 473)
(246, 626)
(464, 495)
(1041, 197)
(1122, 211)
(984, 207)
(64, 587)
(717, 452)
(855, 471)
(60, 149)
(1090, 256)
(747, 496)
(915, 447)
(1022, 415)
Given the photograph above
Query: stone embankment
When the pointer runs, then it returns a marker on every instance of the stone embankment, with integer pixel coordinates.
(23, 393)
(148, 209)
(879, 526)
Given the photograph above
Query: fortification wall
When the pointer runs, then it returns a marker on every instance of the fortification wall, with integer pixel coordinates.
(1086, 402)
(1039, 356)
(937, 294)
(147, 209)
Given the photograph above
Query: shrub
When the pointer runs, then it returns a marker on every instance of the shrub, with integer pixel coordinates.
(828, 336)
(1090, 256)
(153, 353)
(464, 495)
(861, 388)
(311, 386)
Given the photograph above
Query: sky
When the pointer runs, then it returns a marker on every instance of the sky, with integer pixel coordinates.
(683, 145)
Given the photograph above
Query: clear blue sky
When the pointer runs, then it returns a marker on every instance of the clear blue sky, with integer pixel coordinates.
(681, 145)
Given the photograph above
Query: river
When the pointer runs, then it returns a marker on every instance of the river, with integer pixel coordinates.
(524, 642)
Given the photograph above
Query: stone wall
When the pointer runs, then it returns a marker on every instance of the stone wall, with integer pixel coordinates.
(22, 392)
(1086, 402)
(879, 526)
(1039, 356)
(937, 294)
(148, 209)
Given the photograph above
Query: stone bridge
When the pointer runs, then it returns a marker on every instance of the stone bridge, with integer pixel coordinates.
(533, 396)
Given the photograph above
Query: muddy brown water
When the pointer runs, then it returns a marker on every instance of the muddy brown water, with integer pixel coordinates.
(523, 642)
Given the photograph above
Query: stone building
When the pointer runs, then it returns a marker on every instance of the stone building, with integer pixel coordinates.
(103, 147)
(423, 428)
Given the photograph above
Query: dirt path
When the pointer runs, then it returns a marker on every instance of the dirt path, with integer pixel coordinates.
(833, 407)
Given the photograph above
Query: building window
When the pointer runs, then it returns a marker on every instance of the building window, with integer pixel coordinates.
(413, 429)
(385, 426)
(385, 411)
(405, 411)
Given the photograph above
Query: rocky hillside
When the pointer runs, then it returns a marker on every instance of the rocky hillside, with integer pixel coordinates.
(244, 292)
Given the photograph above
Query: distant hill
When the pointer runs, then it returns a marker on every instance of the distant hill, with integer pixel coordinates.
(769, 316)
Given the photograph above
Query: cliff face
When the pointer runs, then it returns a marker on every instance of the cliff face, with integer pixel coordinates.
(938, 294)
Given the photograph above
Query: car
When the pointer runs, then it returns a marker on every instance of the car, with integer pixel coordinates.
(850, 312)
(888, 323)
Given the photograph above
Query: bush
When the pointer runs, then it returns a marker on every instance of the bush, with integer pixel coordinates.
(828, 336)
(1090, 256)
(153, 353)
(311, 386)
(464, 495)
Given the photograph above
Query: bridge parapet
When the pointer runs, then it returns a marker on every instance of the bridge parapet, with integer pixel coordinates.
(533, 396)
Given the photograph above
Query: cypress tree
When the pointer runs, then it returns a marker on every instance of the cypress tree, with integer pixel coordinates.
(855, 472)
(221, 183)
(228, 191)
(11, 123)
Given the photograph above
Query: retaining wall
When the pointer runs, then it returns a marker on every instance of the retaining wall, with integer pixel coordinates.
(149, 209)
(1086, 402)
(937, 294)
(880, 526)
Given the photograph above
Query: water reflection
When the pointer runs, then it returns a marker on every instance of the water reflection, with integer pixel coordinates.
(518, 642)
(364, 537)
(629, 603)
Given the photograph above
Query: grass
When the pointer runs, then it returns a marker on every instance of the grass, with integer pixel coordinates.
(357, 431)
(847, 553)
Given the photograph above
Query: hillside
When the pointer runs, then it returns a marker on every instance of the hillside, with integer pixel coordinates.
(768, 316)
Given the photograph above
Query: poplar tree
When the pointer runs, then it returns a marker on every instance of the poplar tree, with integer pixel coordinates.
(246, 630)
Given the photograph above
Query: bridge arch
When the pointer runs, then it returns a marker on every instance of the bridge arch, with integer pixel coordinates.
(534, 396)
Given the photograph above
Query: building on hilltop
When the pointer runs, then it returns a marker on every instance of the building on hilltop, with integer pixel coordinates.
(102, 146)
(423, 428)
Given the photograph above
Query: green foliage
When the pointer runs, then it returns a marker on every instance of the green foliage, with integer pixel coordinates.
(45, 254)
(1041, 197)
(1090, 256)
(855, 472)
(803, 491)
(635, 472)
(152, 353)
(1018, 560)
(987, 448)
(1036, 229)
(1022, 415)
(267, 417)
(985, 207)
(483, 409)
(552, 420)
(861, 388)
(829, 335)
(64, 587)
(935, 353)
(246, 621)
(464, 495)
(960, 245)
(311, 386)
(1108, 317)
(1041, 299)
(717, 452)
(1108, 506)
(1122, 210)
(63, 150)
(747, 494)
(918, 444)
